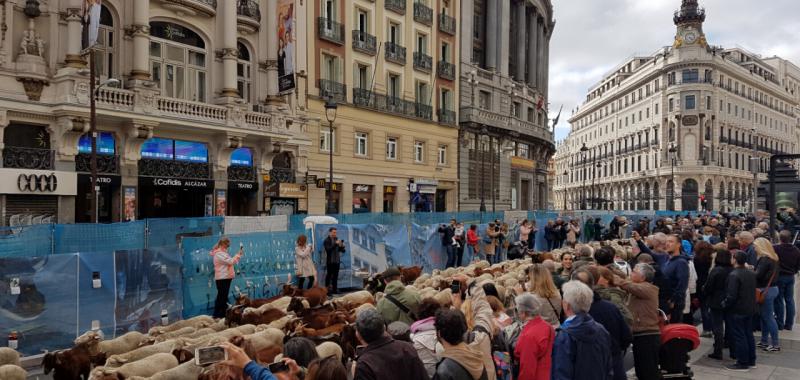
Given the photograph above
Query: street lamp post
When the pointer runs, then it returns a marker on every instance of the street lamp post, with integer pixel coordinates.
(595, 168)
(330, 114)
(566, 179)
(584, 149)
(672, 151)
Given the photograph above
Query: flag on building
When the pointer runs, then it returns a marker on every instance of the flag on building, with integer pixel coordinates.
(91, 22)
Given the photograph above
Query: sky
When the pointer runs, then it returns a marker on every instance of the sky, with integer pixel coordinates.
(592, 37)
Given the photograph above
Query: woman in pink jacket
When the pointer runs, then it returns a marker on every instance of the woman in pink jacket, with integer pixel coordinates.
(223, 274)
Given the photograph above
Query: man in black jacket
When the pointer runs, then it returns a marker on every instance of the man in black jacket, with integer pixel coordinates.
(740, 304)
(789, 262)
(448, 232)
(333, 257)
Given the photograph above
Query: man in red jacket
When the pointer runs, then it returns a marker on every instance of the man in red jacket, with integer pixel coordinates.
(534, 347)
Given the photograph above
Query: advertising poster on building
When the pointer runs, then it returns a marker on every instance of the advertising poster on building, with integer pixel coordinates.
(286, 46)
(91, 22)
(222, 203)
(129, 206)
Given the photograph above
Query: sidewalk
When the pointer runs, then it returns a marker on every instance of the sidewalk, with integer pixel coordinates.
(773, 366)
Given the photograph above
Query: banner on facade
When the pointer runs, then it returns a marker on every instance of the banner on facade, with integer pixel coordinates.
(222, 203)
(286, 46)
(91, 22)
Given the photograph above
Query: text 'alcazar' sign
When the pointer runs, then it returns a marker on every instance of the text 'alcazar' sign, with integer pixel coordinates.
(183, 183)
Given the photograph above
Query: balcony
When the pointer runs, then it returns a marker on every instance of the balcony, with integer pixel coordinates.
(364, 42)
(106, 164)
(330, 30)
(446, 70)
(392, 104)
(248, 15)
(423, 62)
(28, 158)
(333, 90)
(398, 6)
(446, 117)
(395, 53)
(192, 7)
(241, 173)
(423, 14)
(447, 24)
(423, 111)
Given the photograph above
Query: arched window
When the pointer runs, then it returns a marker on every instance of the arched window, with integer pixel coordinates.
(243, 72)
(104, 53)
(242, 157)
(105, 143)
(168, 149)
(178, 61)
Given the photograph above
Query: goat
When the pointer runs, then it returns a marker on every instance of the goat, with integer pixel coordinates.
(315, 296)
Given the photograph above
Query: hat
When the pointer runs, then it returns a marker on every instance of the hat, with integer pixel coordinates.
(391, 272)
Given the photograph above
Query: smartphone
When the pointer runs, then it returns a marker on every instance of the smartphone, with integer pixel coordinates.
(455, 287)
(209, 355)
(278, 367)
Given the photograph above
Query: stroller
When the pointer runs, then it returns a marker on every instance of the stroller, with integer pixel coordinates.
(677, 340)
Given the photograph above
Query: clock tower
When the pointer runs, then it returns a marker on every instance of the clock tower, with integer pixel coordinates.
(689, 20)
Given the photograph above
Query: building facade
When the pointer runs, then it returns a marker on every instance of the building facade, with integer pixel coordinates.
(690, 127)
(505, 139)
(195, 126)
(390, 68)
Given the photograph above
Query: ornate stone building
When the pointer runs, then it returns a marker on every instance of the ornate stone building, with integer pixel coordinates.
(690, 127)
(195, 127)
(505, 139)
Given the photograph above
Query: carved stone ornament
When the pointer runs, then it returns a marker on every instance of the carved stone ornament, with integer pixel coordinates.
(31, 44)
(33, 87)
(271, 63)
(137, 30)
(227, 53)
(237, 116)
(71, 14)
(81, 92)
(690, 120)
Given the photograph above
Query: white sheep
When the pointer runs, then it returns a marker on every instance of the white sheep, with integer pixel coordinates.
(356, 298)
(201, 332)
(280, 304)
(144, 368)
(326, 349)
(119, 345)
(219, 325)
(185, 371)
(186, 331)
(198, 322)
(12, 372)
(270, 337)
(9, 356)
(444, 297)
(279, 324)
(140, 353)
(222, 336)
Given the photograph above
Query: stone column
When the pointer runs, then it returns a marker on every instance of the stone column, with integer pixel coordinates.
(229, 52)
(490, 37)
(533, 37)
(73, 57)
(503, 31)
(519, 10)
(467, 30)
(546, 64)
(140, 29)
(539, 52)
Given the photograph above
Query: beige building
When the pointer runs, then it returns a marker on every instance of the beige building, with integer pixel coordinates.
(390, 68)
(690, 127)
(192, 130)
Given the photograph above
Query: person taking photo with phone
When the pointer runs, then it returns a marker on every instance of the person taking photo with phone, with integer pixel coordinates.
(223, 273)
(285, 370)
(333, 257)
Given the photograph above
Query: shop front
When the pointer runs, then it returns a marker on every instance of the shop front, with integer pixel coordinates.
(175, 180)
(108, 180)
(389, 194)
(242, 192)
(285, 198)
(362, 199)
(32, 196)
(423, 195)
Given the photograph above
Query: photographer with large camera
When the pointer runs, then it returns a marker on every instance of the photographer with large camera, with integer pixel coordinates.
(333, 257)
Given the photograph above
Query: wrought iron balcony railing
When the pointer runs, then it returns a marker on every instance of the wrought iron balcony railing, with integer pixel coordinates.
(334, 90)
(28, 158)
(447, 117)
(423, 14)
(241, 173)
(447, 24)
(106, 164)
(395, 53)
(446, 70)
(423, 62)
(364, 42)
(249, 9)
(398, 6)
(330, 30)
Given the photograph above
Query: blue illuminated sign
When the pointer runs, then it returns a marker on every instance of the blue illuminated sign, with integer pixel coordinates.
(242, 156)
(105, 143)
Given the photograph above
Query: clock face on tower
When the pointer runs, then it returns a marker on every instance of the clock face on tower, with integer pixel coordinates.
(690, 37)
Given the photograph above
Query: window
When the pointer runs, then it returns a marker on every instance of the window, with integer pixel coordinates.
(363, 22)
(394, 86)
(243, 73)
(516, 109)
(330, 68)
(391, 148)
(690, 102)
(485, 100)
(394, 33)
(361, 77)
(708, 102)
(656, 110)
(178, 61)
(104, 50)
(445, 100)
(422, 93)
(419, 151)
(362, 142)
(523, 150)
(445, 52)
(422, 44)
(530, 114)
(325, 139)
(329, 9)
(442, 160)
(690, 76)
(671, 105)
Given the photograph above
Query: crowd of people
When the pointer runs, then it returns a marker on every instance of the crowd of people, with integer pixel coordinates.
(576, 315)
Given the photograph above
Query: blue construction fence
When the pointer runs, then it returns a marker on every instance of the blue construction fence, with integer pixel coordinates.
(58, 281)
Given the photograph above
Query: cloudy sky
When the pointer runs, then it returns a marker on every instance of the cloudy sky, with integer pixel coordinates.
(593, 36)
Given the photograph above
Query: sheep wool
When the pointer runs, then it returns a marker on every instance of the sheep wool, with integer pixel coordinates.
(326, 349)
(12, 372)
(8, 356)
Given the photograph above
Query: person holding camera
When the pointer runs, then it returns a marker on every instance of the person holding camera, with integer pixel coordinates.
(333, 257)
(448, 232)
(285, 370)
(223, 273)
(303, 263)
